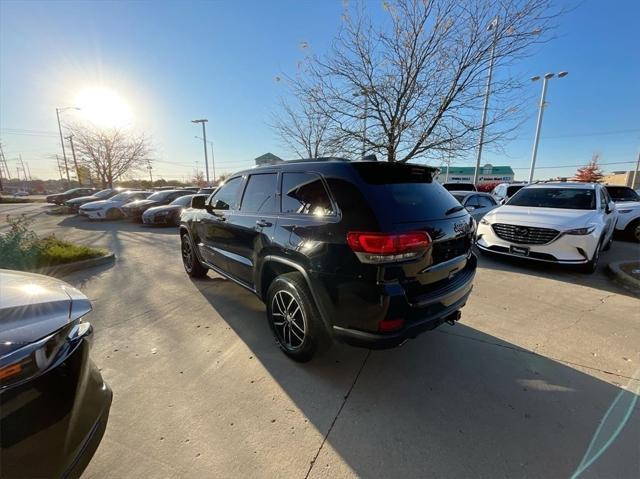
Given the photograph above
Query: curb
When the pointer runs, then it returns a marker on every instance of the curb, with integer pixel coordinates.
(616, 271)
(68, 268)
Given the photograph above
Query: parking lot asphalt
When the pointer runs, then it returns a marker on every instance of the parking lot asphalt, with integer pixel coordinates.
(539, 379)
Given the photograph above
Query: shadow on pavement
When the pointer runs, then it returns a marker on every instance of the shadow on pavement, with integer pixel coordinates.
(566, 273)
(455, 402)
(115, 225)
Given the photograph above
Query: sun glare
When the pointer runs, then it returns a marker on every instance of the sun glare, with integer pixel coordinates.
(104, 107)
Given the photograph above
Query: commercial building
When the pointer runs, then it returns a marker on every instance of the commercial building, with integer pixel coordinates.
(464, 174)
(621, 178)
(268, 159)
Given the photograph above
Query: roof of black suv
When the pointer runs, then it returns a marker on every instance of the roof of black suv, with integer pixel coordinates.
(328, 163)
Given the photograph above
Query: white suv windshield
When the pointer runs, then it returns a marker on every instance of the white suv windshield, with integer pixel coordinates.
(565, 198)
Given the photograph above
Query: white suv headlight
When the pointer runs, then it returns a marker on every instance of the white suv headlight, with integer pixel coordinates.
(581, 231)
(483, 221)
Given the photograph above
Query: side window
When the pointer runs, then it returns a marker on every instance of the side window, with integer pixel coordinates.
(305, 194)
(260, 194)
(226, 197)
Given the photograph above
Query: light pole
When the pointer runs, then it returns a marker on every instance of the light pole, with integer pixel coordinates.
(492, 26)
(64, 154)
(75, 161)
(204, 142)
(541, 108)
(213, 161)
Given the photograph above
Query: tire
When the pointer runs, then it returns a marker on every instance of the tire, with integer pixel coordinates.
(592, 265)
(294, 318)
(633, 230)
(190, 260)
(112, 214)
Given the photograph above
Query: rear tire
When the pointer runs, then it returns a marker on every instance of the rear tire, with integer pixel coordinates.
(190, 260)
(294, 318)
(633, 231)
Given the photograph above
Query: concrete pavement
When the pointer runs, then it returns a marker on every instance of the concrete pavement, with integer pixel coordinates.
(540, 379)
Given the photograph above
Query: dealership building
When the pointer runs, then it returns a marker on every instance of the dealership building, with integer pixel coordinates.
(464, 174)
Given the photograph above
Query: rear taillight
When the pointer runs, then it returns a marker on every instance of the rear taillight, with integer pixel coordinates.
(387, 325)
(388, 247)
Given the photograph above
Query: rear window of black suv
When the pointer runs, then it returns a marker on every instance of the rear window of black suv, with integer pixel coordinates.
(408, 192)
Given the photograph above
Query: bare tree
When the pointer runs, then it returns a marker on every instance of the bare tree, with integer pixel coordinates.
(421, 76)
(305, 130)
(109, 154)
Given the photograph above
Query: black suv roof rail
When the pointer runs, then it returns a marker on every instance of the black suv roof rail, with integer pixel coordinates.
(311, 160)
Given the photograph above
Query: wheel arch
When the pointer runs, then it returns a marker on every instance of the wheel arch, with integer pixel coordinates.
(272, 266)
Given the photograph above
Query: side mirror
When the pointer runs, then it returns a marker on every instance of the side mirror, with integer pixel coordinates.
(470, 208)
(198, 202)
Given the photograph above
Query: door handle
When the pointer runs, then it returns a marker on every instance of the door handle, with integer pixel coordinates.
(263, 223)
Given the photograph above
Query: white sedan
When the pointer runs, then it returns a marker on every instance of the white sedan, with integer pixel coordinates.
(110, 209)
(568, 223)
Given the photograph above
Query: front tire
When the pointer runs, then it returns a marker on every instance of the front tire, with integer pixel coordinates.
(112, 214)
(592, 265)
(190, 260)
(294, 318)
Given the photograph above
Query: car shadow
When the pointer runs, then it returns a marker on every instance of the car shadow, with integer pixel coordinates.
(601, 279)
(81, 223)
(456, 402)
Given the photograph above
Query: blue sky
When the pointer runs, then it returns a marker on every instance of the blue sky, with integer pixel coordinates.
(176, 61)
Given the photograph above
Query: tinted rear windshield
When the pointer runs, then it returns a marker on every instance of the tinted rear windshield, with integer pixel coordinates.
(513, 189)
(564, 198)
(407, 192)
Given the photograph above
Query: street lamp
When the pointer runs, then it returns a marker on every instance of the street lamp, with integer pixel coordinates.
(204, 142)
(541, 108)
(213, 161)
(64, 154)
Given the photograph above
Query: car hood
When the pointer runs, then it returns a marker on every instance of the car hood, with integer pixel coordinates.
(556, 218)
(101, 203)
(140, 204)
(158, 209)
(83, 199)
(34, 306)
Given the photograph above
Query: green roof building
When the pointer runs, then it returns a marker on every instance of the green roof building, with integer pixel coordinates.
(464, 174)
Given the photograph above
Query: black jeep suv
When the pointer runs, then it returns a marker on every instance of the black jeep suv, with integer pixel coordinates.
(366, 252)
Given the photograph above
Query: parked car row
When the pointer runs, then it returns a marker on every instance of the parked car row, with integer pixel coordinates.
(159, 207)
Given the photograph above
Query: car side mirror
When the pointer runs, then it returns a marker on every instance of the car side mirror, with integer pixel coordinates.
(470, 208)
(198, 202)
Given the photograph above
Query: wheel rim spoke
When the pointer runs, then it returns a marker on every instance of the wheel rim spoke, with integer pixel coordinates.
(290, 328)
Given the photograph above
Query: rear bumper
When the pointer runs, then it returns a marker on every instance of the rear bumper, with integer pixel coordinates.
(421, 314)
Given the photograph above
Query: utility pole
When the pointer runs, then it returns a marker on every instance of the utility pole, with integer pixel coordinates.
(149, 167)
(29, 170)
(64, 153)
(635, 173)
(492, 26)
(204, 141)
(59, 167)
(75, 161)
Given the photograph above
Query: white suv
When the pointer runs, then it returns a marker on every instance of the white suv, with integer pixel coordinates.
(567, 223)
(628, 206)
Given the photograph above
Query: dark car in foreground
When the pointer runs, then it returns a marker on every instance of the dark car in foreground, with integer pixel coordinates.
(459, 187)
(135, 209)
(363, 252)
(168, 215)
(60, 198)
(75, 203)
(54, 404)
